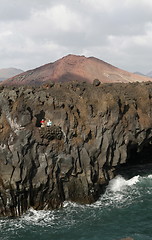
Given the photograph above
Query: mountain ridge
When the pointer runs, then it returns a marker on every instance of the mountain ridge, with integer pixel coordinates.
(75, 67)
(6, 73)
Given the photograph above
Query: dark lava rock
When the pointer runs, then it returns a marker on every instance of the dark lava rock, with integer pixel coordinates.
(50, 133)
(96, 82)
(96, 132)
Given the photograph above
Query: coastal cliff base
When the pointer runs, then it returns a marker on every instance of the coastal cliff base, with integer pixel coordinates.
(97, 130)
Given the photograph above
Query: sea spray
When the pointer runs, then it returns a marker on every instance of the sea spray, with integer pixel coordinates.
(124, 210)
(119, 183)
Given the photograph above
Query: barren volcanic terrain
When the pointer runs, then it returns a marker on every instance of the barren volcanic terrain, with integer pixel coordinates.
(9, 72)
(72, 67)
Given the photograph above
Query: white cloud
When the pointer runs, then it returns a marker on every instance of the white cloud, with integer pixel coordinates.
(5, 34)
(36, 32)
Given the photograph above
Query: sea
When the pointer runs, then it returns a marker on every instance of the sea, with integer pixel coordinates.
(124, 210)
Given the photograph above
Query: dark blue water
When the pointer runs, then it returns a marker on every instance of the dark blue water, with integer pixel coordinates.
(125, 210)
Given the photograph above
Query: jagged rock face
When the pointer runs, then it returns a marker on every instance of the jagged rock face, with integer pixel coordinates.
(95, 130)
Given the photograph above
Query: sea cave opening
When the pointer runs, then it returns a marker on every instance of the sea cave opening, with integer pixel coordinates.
(138, 155)
(139, 160)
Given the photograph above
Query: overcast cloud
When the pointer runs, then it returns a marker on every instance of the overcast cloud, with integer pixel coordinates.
(35, 32)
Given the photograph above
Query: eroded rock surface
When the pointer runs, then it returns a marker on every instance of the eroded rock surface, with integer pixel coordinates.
(96, 129)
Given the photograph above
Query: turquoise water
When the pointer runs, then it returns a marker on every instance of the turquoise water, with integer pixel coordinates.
(124, 210)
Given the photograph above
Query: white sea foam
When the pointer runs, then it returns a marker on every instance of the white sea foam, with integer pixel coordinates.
(72, 205)
(120, 193)
(38, 217)
(122, 196)
(119, 183)
(150, 176)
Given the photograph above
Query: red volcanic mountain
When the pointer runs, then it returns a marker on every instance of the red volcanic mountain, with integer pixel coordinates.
(72, 67)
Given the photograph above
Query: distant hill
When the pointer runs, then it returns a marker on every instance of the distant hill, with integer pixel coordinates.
(149, 74)
(139, 73)
(73, 67)
(9, 72)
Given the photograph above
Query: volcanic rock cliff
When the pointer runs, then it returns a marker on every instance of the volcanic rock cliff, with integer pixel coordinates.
(96, 129)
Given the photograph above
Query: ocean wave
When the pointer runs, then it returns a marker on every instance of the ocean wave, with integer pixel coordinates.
(150, 176)
(119, 183)
(120, 194)
(123, 192)
(38, 217)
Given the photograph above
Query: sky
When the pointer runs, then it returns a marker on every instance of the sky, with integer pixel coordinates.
(36, 32)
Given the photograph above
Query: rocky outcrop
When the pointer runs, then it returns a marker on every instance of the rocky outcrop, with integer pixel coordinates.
(96, 130)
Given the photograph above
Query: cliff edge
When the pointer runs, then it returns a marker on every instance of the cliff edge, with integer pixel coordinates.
(95, 130)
